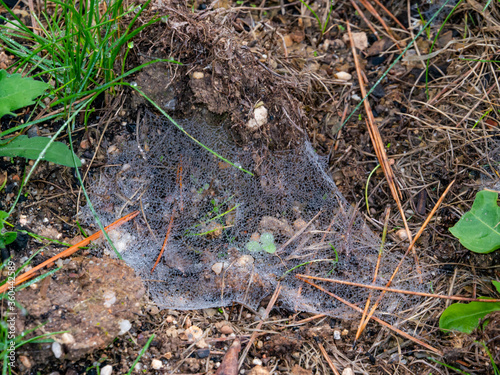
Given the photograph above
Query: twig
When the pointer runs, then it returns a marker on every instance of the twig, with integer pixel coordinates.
(69, 251)
(422, 294)
(385, 324)
(328, 359)
(389, 14)
(256, 333)
(362, 15)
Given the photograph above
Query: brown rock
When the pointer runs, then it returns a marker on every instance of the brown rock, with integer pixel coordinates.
(85, 144)
(25, 361)
(360, 40)
(226, 330)
(298, 36)
(288, 40)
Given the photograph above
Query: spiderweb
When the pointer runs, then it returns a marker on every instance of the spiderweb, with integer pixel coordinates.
(223, 224)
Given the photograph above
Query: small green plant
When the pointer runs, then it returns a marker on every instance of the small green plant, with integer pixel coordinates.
(77, 45)
(465, 317)
(141, 354)
(479, 231)
(18, 92)
(265, 243)
(322, 26)
(6, 238)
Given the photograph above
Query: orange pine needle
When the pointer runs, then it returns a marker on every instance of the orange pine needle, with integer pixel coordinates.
(69, 251)
(386, 289)
(385, 324)
(165, 241)
(375, 273)
(390, 14)
(412, 244)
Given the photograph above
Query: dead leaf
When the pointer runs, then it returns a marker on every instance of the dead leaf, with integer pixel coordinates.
(360, 40)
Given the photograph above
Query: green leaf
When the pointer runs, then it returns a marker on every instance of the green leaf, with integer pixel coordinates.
(479, 229)
(269, 248)
(465, 317)
(9, 237)
(18, 92)
(496, 284)
(3, 215)
(31, 148)
(267, 238)
(253, 246)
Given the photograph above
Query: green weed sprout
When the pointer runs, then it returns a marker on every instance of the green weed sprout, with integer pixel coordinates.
(77, 47)
(141, 354)
(322, 26)
(265, 243)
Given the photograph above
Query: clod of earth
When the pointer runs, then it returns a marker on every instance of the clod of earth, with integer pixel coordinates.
(89, 298)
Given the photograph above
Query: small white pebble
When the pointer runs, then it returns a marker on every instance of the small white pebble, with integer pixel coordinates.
(402, 234)
(336, 335)
(198, 75)
(107, 370)
(109, 298)
(56, 349)
(259, 118)
(257, 362)
(217, 268)
(156, 364)
(67, 338)
(343, 76)
(125, 326)
(347, 371)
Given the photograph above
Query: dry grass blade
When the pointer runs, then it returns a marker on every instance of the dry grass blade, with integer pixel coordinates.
(270, 305)
(374, 13)
(385, 324)
(389, 14)
(328, 359)
(362, 15)
(379, 146)
(69, 251)
(412, 244)
(386, 289)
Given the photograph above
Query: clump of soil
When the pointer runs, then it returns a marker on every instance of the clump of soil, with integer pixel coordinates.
(93, 299)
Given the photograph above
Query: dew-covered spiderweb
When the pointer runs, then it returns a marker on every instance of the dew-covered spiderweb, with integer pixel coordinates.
(223, 224)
